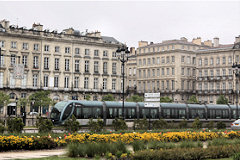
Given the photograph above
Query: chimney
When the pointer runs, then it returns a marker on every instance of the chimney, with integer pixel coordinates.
(142, 43)
(37, 26)
(237, 39)
(208, 43)
(216, 42)
(132, 50)
(197, 41)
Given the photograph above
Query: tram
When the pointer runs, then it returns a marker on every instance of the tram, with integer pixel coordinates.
(109, 110)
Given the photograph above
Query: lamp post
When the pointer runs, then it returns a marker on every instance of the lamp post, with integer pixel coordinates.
(123, 54)
(236, 70)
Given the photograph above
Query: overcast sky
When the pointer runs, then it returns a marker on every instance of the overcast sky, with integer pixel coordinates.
(132, 21)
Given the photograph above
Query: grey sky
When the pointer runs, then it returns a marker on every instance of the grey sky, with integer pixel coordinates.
(132, 21)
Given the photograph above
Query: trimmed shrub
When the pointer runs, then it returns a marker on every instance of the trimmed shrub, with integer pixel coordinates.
(197, 124)
(183, 124)
(210, 125)
(221, 125)
(2, 128)
(138, 145)
(141, 124)
(15, 125)
(72, 125)
(160, 124)
(119, 124)
(161, 145)
(95, 126)
(43, 142)
(44, 125)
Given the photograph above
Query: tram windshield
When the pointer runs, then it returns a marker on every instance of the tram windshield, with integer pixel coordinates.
(56, 111)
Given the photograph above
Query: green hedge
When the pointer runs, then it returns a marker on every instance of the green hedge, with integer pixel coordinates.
(212, 152)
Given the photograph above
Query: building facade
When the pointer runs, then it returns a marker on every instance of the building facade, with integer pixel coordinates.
(70, 64)
(179, 69)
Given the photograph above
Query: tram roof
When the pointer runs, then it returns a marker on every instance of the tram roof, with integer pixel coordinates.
(196, 106)
(218, 106)
(173, 105)
(119, 104)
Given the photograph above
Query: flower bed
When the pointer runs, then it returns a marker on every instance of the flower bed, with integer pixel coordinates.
(46, 142)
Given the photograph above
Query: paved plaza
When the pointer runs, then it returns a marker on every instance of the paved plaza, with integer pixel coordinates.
(31, 154)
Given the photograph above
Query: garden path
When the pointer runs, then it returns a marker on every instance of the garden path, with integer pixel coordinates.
(31, 154)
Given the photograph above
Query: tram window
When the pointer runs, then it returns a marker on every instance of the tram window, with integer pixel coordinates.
(130, 113)
(218, 114)
(97, 113)
(77, 112)
(174, 113)
(67, 112)
(120, 112)
(153, 114)
(225, 114)
(197, 113)
(182, 113)
(110, 113)
(87, 113)
(144, 113)
(166, 113)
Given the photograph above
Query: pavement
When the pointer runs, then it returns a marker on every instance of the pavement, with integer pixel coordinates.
(31, 154)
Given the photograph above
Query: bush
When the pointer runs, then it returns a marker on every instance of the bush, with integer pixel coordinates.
(119, 124)
(210, 125)
(43, 142)
(72, 125)
(221, 125)
(138, 145)
(161, 145)
(141, 124)
(95, 126)
(44, 125)
(15, 125)
(2, 128)
(236, 156)
(183, 124)
(160, 124)
(197, 124)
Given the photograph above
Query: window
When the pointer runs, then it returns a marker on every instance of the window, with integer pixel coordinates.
(230, 85)
(67, 49)
(87, 52)
(130, 71)
(45, 81)
(230, 60)
(224, 72)
(24, 60)
(13, 60)
(14, 45)
(162, 85)
(168, 72)
(56, 64)
(194, 60)
(188, 59)
(237, 59)
(1, 79)
(205, 86)
(144, 73)
(173, 71)
(96, 53)
(211, 85)
(229, 71)
(153, 60)
(153, 72)
(105, 67)
(149, 61)
(211, 72)
(173, 85)
(188, 71)
(158, 60)
(35, 80)
(182, 72)
(87, 66)
(200, 62)
(206, 61)
(25, 46)
(95, 83)
(200, 73)
(114, 67)
(2, 44)
(114, 54)
(76, 82)
(36, 47)
(149, 73)
(139, 74)
(85, 82)
(194, 72)
(223, 60)
(224, 85)
(167, 85)
(163, 60)
(218, 61)
(57, 49)
(66, 82)
(46, 60)
(66, 64)
(24, 81)
(104, 83)
(55, 81)
(139, 62)
(144, 61)
(205, 72)
(173, 59)
(95, 66)
(182, 59)
(218, 85)
(134, 71)
(46, 48)
(200, 86)
(77, 51)
(211, 61)
(35, 62)
(182, 84)
(167, 59)
(162, 71)
(76, 65)
(23, 95)
(218, 72)
(105, 53)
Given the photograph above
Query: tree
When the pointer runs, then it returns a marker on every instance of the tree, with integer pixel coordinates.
(222, 100)
(135, 98)
(40, 99)
(4, 99)
(108, 97)
(72, 125)
(166, 100)
(193, 100)
(88, 97)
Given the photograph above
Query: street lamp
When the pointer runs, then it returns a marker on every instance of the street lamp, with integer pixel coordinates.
(236, 70)
(123, 54)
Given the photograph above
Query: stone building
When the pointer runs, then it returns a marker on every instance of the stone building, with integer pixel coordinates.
(179, 69)
(71, 64)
